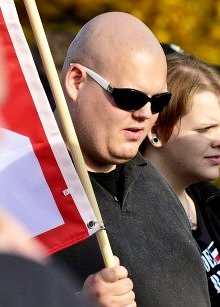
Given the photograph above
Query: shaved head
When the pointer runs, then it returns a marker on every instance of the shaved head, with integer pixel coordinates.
(111, 37)
(123, 51)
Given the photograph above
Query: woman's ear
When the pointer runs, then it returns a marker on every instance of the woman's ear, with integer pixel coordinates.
(74, 79)
(154, 138)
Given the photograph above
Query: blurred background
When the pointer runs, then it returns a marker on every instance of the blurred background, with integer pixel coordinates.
(194, 25)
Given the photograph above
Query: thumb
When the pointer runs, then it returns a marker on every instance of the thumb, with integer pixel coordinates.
(117, 261)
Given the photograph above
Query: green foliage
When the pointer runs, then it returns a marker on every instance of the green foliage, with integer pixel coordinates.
(194, 25)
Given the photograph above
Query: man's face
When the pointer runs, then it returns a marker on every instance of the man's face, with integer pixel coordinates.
(107, 134)
(194, 152)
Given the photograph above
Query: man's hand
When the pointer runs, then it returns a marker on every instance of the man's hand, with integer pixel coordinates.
(110, 287)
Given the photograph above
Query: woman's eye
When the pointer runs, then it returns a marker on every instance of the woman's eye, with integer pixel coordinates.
(203, 130)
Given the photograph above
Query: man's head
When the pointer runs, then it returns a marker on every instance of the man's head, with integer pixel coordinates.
(122, 50)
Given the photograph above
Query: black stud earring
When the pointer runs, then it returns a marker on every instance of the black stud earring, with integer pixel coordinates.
(155, 140)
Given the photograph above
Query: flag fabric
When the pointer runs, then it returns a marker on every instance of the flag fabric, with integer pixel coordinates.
(38, 182)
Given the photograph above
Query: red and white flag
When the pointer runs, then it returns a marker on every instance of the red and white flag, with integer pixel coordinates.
(38, 182)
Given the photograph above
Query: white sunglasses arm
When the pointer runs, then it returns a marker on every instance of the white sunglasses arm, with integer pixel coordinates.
(105, 84)
(101, 81)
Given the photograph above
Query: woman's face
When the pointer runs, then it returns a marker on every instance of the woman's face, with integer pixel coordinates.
(193, 149)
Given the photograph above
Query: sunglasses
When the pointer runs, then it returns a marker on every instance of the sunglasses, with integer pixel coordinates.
(130, 99)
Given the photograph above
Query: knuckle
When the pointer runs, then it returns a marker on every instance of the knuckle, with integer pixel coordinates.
(128, 284)
(133, 296)
(96, 278)
(114, 273)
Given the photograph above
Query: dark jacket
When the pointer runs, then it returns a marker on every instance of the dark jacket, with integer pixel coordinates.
(151, 235)
(26, 283)
(207, 201)
(207, 196)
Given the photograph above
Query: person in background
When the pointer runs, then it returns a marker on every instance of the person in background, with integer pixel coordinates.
(171, 48)
(26, 279)
(114, 78)
(184, 145)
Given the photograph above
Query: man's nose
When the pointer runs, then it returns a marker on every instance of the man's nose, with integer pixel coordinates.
(216, 138)
(144, 112)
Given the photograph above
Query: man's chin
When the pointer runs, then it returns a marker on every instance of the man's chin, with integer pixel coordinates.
(125, 157)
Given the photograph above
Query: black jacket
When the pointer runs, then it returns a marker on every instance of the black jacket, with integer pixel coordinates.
(26, 283)
(207, 196)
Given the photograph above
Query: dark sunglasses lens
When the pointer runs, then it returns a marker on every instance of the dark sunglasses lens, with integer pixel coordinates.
(132, 100)
(129, 99)
(158, 102)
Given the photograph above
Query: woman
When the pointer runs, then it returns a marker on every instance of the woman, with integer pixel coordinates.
(184, 144)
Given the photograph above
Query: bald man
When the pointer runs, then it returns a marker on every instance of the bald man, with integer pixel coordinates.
(114, 78)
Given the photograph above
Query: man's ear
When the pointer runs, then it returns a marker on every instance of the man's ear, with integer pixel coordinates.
(74, 79)
(154, 138)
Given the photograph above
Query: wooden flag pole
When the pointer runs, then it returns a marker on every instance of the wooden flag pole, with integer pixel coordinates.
(67, 124)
